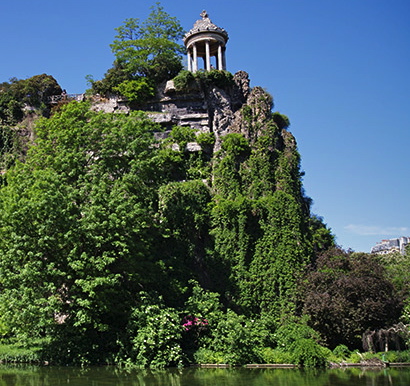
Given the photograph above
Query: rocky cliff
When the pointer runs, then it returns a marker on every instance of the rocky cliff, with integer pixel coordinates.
(206, 107)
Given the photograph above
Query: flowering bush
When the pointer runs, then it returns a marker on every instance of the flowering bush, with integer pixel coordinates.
(190, 322)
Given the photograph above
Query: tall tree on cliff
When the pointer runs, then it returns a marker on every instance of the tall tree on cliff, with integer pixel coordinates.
(145, 51)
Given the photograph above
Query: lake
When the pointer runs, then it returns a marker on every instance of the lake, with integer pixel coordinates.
(26, 375)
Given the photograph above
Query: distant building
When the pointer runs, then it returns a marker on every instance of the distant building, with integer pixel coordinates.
(391, 245)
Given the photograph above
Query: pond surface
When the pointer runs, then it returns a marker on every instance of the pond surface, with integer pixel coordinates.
(102, 376)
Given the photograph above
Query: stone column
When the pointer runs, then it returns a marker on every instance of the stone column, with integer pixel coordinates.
(223, 59)
(195, 64)
(189, 60)
(220, 63)
(208, 56)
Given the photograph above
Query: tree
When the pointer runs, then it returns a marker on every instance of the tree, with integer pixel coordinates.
(33, 92)
(346, 295)
(149, 48)
(76, 224)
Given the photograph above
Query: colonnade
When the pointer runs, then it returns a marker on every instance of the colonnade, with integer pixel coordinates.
(196, 50)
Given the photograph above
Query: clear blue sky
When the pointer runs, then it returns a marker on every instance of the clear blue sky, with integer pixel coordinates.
(338, 69)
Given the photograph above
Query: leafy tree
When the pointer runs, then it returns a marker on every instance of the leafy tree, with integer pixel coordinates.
(138, 90)
(34, 91)
(149, 48)
(346, 295)
(77, 228)
(112, 78)
(322, 237)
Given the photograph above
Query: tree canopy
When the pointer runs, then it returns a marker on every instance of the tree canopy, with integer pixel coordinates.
(347, 294)
(148, 49)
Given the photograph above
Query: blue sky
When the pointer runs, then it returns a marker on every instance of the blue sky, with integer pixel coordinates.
(338, 69)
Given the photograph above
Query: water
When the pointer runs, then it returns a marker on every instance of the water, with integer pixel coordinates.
(103, 376)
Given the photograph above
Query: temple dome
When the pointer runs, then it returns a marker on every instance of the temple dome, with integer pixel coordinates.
(202, 26)
(206, 40)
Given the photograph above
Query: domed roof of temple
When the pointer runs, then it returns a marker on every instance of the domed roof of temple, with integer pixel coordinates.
(205, 25)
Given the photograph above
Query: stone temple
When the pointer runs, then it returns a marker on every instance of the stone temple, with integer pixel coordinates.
(206, 40)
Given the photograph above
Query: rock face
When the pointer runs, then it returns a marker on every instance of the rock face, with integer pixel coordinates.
(204, 107)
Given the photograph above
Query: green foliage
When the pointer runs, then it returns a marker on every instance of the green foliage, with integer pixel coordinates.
(149, 48)
(397, 267)
(76, 228)
(293, 331)
(233, 336)
(308, 353)
(9, 147)
(206, 140)
(218, 78)
(33, 92)
(227, 170)
(184, 80)
(235, 144)
(154, 333)
(11, 109)
(138, 90)
(112, 78)
(187, 80)
(281, 253)
(341, 351)
(278, 356)
(206, 356)
(281, 120)
(182, 135)
(347, 294)
(322, 238)
(183, 250)
(228, 337)
(18, 353)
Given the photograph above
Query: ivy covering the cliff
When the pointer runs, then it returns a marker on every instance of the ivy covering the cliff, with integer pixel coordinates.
(117, 247)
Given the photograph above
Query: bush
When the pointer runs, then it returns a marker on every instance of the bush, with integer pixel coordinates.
(182, 135)
(17, 353)
(270, 355)
(206, 140)
(291, 332)
(221, 79)
(138, 90)
(354, 357)
(183, 81)
(207, 356)
(341, 351)
(235, 144)
(308, 353)
(281, 120)
(153, 336)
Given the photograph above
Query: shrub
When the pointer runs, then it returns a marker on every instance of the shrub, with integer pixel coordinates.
(308, 353)
(138, 90)
(291, 332)
(208, 356)
(341, 351)
(221, 79)
(281, 120)
(16, 353)
(235, 144)
(153, 335)
(182, 135)
(270, 355)
(354, 357)
(183, 81)
(206, 140)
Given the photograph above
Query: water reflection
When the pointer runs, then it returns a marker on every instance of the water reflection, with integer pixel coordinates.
(19, 375)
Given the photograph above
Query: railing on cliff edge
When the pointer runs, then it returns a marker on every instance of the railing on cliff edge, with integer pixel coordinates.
(66, 97)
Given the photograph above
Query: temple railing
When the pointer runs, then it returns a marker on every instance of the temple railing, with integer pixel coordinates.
(66, 97)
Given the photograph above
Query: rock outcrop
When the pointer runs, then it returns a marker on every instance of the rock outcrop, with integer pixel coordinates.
(205, 107)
